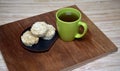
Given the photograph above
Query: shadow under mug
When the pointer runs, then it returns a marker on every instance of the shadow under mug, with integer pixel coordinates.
(68, 22)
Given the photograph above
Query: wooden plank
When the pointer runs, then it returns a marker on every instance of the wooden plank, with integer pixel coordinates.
(61, 55)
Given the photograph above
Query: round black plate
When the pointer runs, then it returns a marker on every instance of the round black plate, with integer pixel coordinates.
(42, 45)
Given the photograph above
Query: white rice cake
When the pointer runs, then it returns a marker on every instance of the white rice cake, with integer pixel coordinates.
(50, 33)
(39, 29)
(29, 39)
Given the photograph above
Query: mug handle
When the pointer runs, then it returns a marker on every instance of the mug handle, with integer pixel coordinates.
(84, 25)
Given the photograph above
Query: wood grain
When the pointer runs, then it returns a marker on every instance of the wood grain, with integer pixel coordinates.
(62, 54)
(104, 14)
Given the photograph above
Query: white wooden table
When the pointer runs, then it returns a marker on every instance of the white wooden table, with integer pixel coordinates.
(104, 13)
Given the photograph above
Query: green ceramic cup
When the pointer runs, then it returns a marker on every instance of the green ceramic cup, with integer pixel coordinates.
(69, 30)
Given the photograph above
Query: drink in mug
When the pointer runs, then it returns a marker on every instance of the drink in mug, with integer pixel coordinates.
(68, 22)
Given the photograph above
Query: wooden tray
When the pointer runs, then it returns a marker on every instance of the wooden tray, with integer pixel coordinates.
(61, 55)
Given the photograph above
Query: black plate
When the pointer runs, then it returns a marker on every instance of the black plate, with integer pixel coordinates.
(42, 45)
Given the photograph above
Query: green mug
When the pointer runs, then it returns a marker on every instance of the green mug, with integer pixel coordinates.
(68, 22)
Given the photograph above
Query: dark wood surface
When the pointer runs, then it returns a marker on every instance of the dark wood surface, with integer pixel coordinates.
(61, 55)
